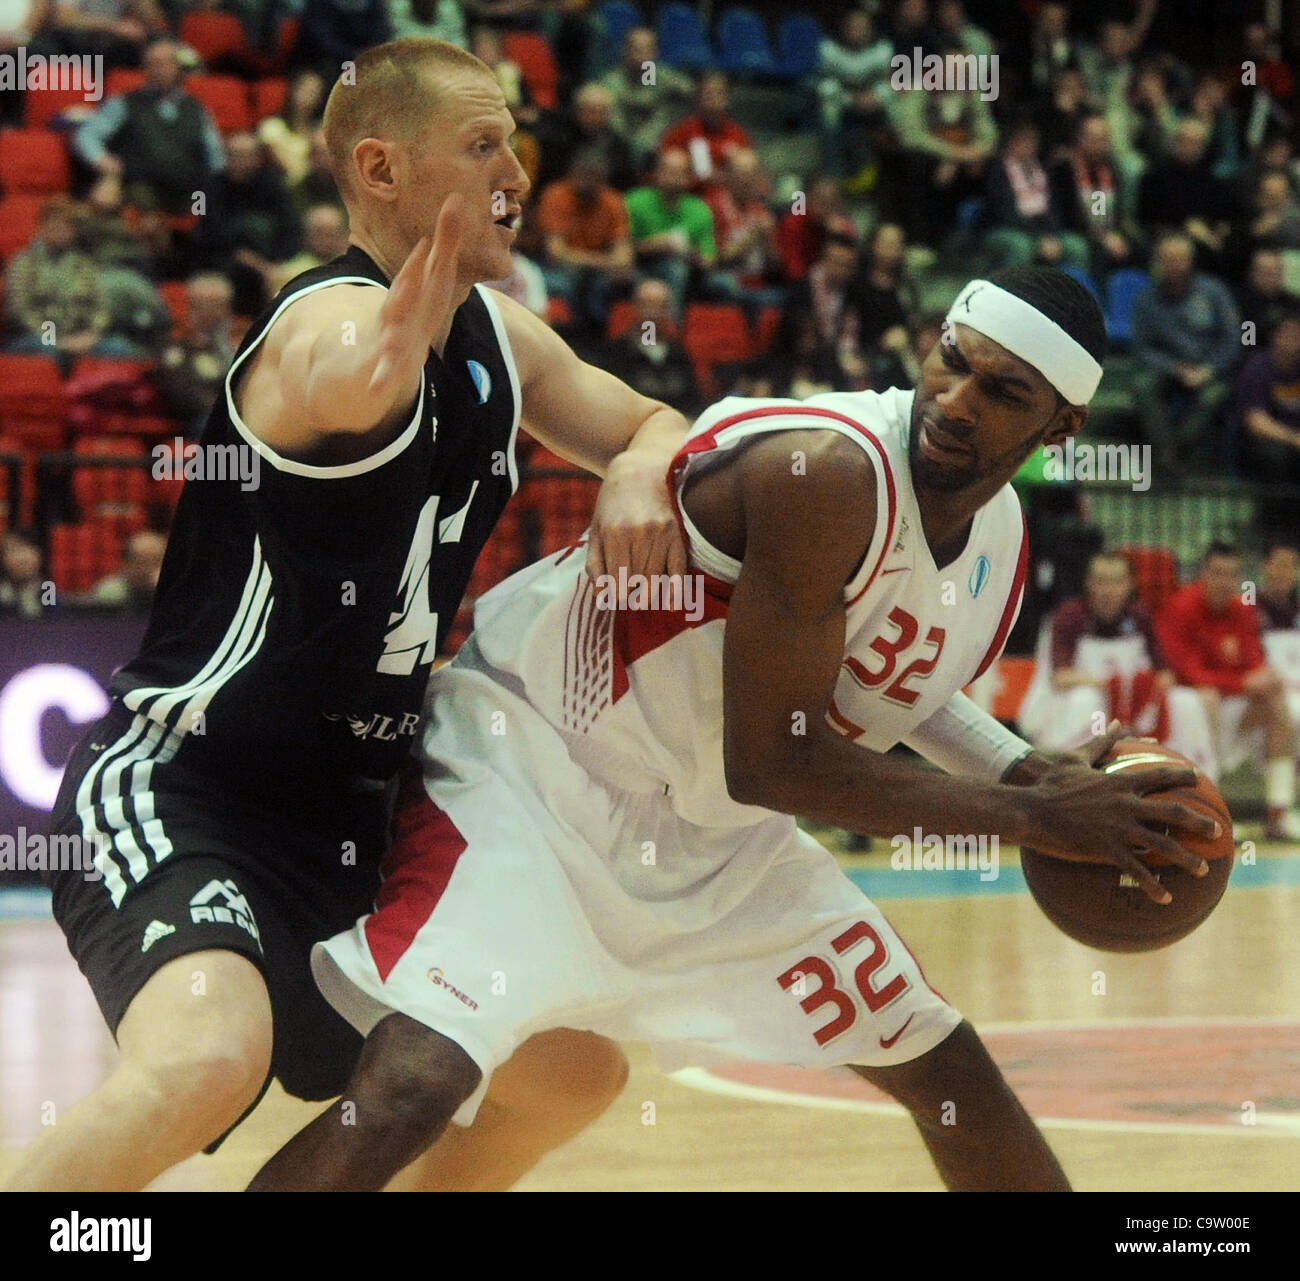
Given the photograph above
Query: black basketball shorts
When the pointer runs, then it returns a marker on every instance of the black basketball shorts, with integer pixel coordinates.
(187, 863)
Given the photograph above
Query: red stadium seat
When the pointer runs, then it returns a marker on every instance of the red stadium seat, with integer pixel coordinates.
(1014, 676)
(21, 503)
(33, 161)
(111, 491)
(561, 501)
(1155, 573)
(40, 108)
(123, 80)
(226, 97)
(213, 35)
(769, 325)
(80, 555)
(269, 96)
(112, 396)
(19, 216)
(622, 316)
(177, 297)
(715, 334)
(530, 52)
(33, 402)
(558, 311)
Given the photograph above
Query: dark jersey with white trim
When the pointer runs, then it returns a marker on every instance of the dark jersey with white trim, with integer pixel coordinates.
(295, 620)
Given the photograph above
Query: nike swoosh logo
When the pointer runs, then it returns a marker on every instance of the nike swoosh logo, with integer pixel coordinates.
(898, 569)
(889, 1044)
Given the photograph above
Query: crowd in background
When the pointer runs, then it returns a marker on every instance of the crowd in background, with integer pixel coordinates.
(1153, 158)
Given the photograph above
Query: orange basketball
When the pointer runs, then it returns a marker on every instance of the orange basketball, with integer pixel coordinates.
(1102, 906)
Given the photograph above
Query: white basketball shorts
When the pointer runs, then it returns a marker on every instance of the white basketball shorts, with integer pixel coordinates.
(521, 895)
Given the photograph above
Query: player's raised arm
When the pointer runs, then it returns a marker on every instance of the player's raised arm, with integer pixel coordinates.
(348, 360)
(804, 536)
(595, 420)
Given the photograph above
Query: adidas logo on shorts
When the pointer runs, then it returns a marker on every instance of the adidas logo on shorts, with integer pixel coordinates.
(231, 909)
(154, 931)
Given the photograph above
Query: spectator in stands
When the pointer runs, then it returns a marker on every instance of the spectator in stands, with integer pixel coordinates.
(744, 227)
(586, 126)
(910, 28)
(1108, 73)
(486, 45)
(802, 232)
(1051, 47)
(192, 369)
(130, 591)
(649, 358)
(947, 137)
(158, 141)
(799, 365)
(1278, 595)
(1101, 662)
(957, 31)
(1060, 117)
(1212, 640)
(317, 185)
(710, 135)
(250, 219)
(335, 31)
(325, 236)
(23, 24)
(525, 284)
(885, 298)
(1152, 117)
(438, 19)
(287, 137)
(854, 83)
(1180, 192)
(1277, 214)
(587, 238)
(1024, 224)
(1210, 106)
(54, 295)
(115, 30)
(1186, 339)
(826, 296)
(1268, 98)
(1268, 408)
(1096, 199)
(672, 230)
(1264, 300)
(23, 589)
(648, 95)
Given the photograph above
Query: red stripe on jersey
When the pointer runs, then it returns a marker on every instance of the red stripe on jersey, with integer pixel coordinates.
(708, 440)
(843, 724)
(419, 863)
(639, 631)
(1012, 605)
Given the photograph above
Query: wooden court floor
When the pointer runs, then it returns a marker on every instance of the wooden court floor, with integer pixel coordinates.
(1174, 1071)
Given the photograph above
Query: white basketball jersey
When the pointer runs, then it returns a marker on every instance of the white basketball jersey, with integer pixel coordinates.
(637, 693)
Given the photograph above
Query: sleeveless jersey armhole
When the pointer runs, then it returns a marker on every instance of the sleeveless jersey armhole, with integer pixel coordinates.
(289, 465)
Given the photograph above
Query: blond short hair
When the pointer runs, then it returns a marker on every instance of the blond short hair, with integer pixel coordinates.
(392, 93)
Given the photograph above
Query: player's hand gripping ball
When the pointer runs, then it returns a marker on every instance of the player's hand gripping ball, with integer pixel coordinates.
(1102, 906)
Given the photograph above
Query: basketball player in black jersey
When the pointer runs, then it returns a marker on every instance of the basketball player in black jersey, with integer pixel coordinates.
(240, 781)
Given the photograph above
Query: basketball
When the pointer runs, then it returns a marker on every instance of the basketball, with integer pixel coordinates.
(1103, 907)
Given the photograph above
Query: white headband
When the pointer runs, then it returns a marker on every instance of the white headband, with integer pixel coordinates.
(1025, 332)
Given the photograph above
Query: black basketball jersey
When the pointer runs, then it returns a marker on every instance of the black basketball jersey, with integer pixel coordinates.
(295, 620)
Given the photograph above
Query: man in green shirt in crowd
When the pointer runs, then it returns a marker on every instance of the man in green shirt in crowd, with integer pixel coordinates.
(672, 230)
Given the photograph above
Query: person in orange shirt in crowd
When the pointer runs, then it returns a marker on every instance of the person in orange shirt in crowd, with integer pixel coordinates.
(710, 135)
(1212, 640)
(588, 248)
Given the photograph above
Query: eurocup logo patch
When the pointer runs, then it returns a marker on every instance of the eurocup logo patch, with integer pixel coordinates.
(482, 380)
(979, 576)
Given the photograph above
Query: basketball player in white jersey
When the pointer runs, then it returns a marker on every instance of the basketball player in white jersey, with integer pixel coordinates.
(602, 837)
